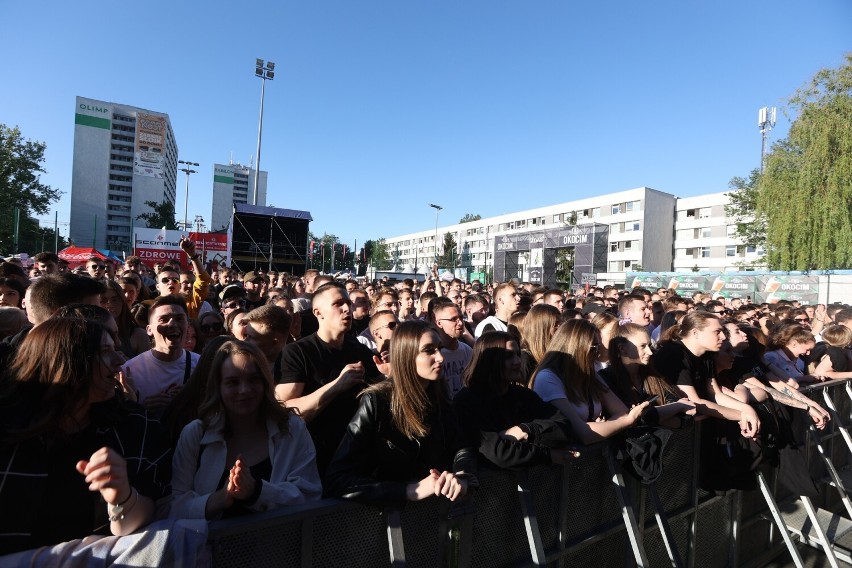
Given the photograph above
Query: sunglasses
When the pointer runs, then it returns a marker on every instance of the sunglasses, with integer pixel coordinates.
(233, 305)
(167, 279)
(390, 325)
(97, 266)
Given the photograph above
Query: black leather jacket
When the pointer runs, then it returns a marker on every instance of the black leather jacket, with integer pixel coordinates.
(375, 462)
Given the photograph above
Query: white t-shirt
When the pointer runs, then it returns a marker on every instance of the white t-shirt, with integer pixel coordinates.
(493, 322)
(455, 362)
(549, 387)
(151, 376)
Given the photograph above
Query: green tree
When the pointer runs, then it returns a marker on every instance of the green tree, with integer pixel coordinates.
(21, 163)
(377, 253)
(565, 266)
(470, 217)
(449, 257)
(161, 215)
(742, 208)
(805, 191)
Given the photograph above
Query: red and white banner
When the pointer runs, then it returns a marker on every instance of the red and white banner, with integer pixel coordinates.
(158, 245)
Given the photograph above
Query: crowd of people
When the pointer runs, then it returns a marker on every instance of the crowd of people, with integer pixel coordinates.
(131, 393)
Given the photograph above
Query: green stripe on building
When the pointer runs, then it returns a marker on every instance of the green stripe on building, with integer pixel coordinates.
(94, 121)
(223, 179)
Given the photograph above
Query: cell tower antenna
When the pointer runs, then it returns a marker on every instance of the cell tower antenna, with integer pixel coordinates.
(766, 121)
(231, 159)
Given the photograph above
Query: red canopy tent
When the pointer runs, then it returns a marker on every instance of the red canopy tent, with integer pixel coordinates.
(79, 255)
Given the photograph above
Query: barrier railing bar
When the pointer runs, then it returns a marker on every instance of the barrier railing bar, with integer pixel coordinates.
(776, 515)
(823, 538)
(395, 542)
(307, 543)
(530, 519)
(627, 512)
(665, 531)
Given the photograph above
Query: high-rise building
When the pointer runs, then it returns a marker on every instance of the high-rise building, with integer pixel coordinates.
(234, 183)
(123, 157)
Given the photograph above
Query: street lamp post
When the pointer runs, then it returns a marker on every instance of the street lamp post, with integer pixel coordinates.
(437, 210)
(264, 71)
(187, 171)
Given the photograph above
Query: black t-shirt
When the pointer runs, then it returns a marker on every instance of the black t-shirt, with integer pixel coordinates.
(359, 325)
(839, 361)
(315, 363)
(681, 367)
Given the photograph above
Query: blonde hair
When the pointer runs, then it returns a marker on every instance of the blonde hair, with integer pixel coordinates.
(572, 358)
(837, 335)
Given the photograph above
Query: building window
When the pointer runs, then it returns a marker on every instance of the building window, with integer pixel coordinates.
(731, 250)
(731, 231)
(616, 209)
(705, 212)
(628, 245)
(613, 247)
(751, 249)
(704, 252)
(557, 218)
(706, 232)
(596, 212)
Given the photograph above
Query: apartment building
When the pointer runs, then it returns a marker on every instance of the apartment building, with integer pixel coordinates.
(648, 230)
(124, 156)
(705, 237)
(234, 183)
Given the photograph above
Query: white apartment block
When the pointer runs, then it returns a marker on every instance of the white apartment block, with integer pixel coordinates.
(648, 230)
(123, 157)
(704, 237)
(639, 224)
(234, 183)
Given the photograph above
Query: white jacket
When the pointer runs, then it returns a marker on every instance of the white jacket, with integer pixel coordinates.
(294, 476)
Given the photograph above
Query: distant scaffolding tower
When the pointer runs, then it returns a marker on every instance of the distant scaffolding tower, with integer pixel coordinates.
(766, 122)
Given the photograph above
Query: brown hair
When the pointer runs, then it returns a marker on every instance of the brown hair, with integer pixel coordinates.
(539, 326)
(486, 369)
(785, 333)
(212, 406)
(411, 398)
(837, 335)
(571, 357)
(654, 384)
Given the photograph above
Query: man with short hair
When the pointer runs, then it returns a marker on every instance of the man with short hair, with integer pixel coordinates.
(47, 262)
(475, 310)
(253, 285)
(310, 275)
(169, 281)
(96, 268)
(233, 297)
(361, 308)
(634, 309)
(506, 299)
(446, 317)
(159, 373)
(323, 373)
(269, 328)
(553, 297)
(381, 329)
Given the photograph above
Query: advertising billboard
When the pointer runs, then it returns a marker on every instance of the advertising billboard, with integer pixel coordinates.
(150, 145)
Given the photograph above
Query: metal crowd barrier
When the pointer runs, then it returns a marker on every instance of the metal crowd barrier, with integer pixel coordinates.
(587, 513)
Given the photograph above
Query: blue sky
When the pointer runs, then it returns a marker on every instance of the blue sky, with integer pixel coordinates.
(380, 107)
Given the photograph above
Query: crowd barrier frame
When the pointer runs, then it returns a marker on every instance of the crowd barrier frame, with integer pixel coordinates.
(588, 512)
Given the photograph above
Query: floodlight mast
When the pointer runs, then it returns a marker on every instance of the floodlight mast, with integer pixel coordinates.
(264, 72)
(766, 121)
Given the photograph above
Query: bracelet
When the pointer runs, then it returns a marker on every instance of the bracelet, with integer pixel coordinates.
(118, 511)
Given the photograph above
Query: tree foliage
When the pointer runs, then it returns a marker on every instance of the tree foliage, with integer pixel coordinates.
(742, 208)
(470, 217)
(377, 254)
(805, 191)
(161, 215)
(20, 184)
(449, 257)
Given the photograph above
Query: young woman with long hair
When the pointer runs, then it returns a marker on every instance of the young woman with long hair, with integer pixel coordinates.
(75, 443)
(566, 378)
(404, 442)
(687, 362)
(246, 452)
(633, 379)
(133, 338)
(607, 325)
(789, 346)
(514, 426)
(541, 323)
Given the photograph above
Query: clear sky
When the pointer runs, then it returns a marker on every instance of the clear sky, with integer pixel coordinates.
(380, 107)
